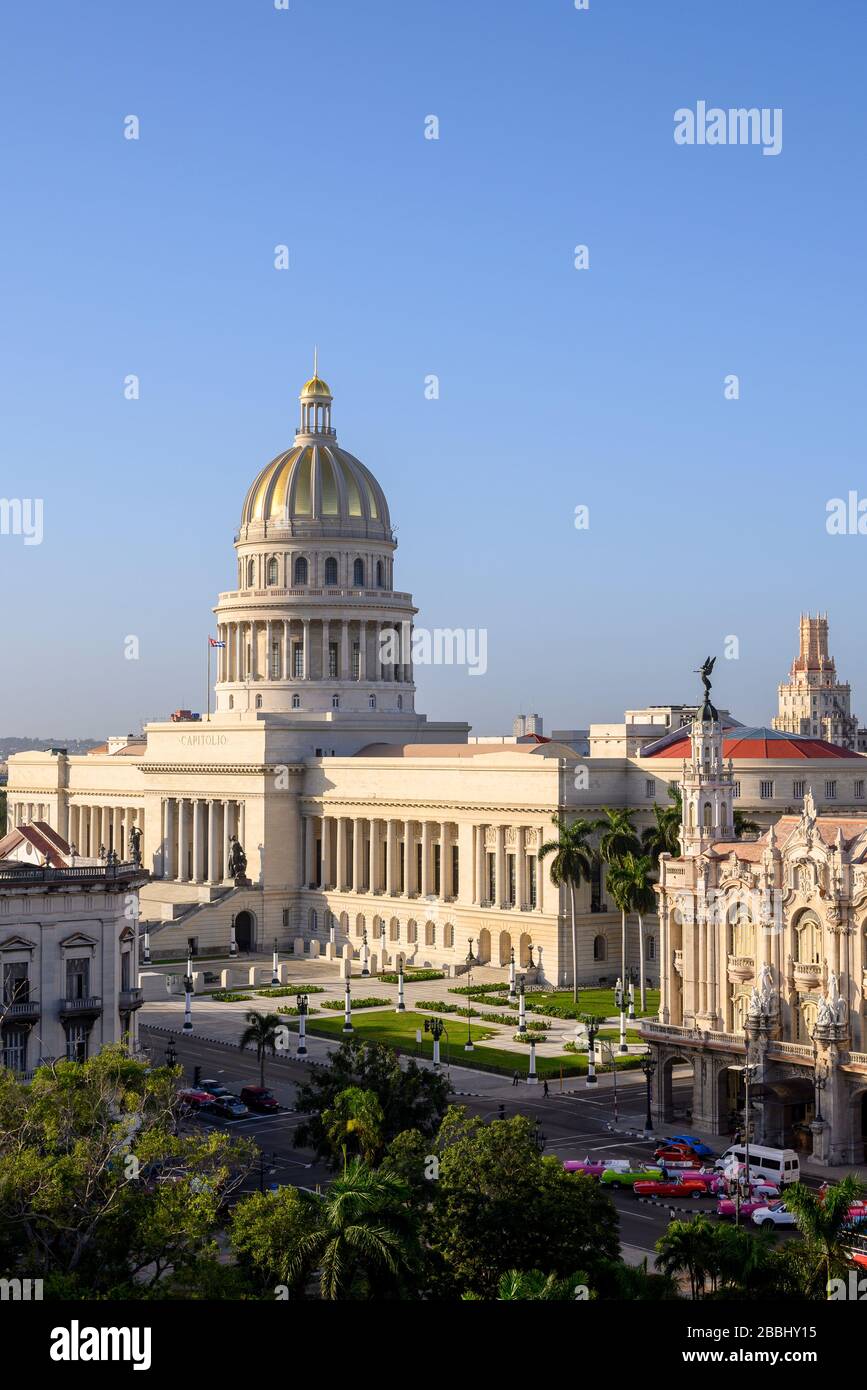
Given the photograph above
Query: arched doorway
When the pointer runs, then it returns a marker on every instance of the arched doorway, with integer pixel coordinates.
(675, 1095)
(245, 930)
(524, 949)
(483, 953)
(505, 947)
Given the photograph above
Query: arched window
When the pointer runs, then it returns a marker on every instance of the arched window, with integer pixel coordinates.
(251, 573)
(371, 702)
(600, 948)
(430, 934)
(273, 570)
(258, 701)
(412, 931)
(335, 702)
(400, 702)
(358, 574)
(448, 935)
(330, 573)
(808, 940)
(296, 701)
(359, 925)
(379, 574)
(394, 929)
(300, 572)
(231, 702)
(708, 816)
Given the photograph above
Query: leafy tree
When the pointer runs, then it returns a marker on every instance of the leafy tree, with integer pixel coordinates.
(744, 826)
(363, 1240)
(498, 1205)
(822, 1219)
(354, 1122)
(571, 866)
(409, 1097)
(262, 1032)
(532, 1284)
(265, 1231)
(99, 1195)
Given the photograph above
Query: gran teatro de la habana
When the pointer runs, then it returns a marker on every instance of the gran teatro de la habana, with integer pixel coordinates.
(316, 808)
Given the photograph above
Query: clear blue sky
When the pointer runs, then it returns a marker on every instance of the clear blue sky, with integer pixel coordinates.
(453, 257)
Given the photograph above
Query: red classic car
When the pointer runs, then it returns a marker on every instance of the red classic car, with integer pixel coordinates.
(670, 1187)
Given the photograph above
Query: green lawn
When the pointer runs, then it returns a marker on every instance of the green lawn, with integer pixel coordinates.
(596, 1001)
(398, 1030)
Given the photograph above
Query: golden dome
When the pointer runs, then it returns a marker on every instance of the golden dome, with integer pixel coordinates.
(318, 488)
(316, 387)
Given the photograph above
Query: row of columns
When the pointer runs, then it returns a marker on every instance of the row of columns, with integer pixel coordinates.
(284, 637)
(23, 812)
(499, 883)
(196, 834)
(92, 828)
(379, 856)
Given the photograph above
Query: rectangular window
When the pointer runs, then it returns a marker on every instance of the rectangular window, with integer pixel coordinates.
(16, 985)
(78, 978)
(297, 660)
(332, 661)
(650, 787)
(531, 879)
(14, 1050)
(436, 870)
(402, 867)
(456, 877)
(76, 1042)
(125, 972)
(356, 661)
(491, 877)
(736, 790)
(275, 661)
(766, 790)
(418, 863)
(859, 790)
(512, 878)
(798, 789)
(651, 948)
(830, 791)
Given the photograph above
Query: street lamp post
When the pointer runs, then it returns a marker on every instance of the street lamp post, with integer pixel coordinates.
(592, 1023)
(522, 1006)
(275, 966)
(648, 1066)
(301, 1003)
(347, 1009)
(365, 955)
(620, 1001)
(631, 1002)
(401, 1005)
(146, 957)
(471, 961)
(512, 976)
(436, 1028)
(188, 996)
(603, 1044)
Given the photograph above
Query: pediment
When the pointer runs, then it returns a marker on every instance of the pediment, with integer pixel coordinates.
(78, 938)
(17, 943)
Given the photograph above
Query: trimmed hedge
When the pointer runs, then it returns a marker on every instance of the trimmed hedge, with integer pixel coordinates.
(229, 996)
(368, 1003)
(412, 976)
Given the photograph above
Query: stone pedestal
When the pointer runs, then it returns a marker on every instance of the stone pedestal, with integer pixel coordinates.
(821, 1142)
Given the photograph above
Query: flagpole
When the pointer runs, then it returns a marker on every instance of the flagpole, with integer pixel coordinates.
(208, 691)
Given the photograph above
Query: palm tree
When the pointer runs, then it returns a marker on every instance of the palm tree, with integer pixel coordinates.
(532, 1284)
(663, 837)
(620, 886)
(261, 1031)
(571, 866)
(744, 826)
(355, 1119)
(630, 886)
(618, 836)
(363, 1242)
(688, 1247)
(822, 1218)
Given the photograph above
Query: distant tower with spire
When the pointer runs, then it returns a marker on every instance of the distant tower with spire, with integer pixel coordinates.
(813, 701)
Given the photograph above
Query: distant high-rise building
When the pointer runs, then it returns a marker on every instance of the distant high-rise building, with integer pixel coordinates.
(526, 724)
(813, 701)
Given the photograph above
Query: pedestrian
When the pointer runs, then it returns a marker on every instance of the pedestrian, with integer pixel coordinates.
(545, 1089)
(515, 1078)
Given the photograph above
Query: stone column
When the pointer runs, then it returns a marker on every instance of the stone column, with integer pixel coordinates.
(521, 868)
(115, 831)
(183, 823)
(373, 857)
(340, 880)
(325, 879)
(426, 857)
(344, 671)
(198, 841)
(326, 654)
(358, 855)
(362, 650)
(500, 871)
(409, 883)
(213, 866)
(305, 653)
(242, 824)
(445, 861)
(391, 858)
(169, 838)
(479, 864)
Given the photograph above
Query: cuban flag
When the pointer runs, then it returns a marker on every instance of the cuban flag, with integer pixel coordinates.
(214, 643)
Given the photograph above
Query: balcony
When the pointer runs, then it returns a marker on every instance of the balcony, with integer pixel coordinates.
(22, 1011)
(741, 968)
(89, 1007)
(129, 999)
(808, 975)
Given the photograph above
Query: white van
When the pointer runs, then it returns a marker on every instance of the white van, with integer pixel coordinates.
(778, 1166)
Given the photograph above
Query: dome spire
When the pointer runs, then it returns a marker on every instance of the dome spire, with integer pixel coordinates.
(316, 401)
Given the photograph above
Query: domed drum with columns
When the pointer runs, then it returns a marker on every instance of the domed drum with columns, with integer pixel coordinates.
(315, 624)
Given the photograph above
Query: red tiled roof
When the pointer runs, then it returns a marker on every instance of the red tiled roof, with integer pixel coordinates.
(766, 745)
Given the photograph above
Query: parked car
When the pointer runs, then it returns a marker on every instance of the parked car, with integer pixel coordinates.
(712, 1182)
(726, 1206)
(773, 1214)
(858, 1209)
(697, 1145)
(195, 1099)
(678, 1157)
(259, 1098)
(617, 1177)
(595, 1167)
(670, 1187)
(214, 1087)
(674, 1146)
(228, 1108)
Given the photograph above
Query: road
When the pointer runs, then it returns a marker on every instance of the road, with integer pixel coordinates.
(574, 1122)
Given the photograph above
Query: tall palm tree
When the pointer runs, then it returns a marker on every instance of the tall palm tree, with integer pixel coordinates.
(517, 1284)
(571, 866)
(261, 1031)
(663, 837)
(363, 1242)
(355, 1120)
(688, 1247)
(617, 834)
(822, 1218)
(629, 879)
(620, 886)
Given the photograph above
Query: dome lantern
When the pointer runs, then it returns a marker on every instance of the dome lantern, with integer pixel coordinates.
(316, 402)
